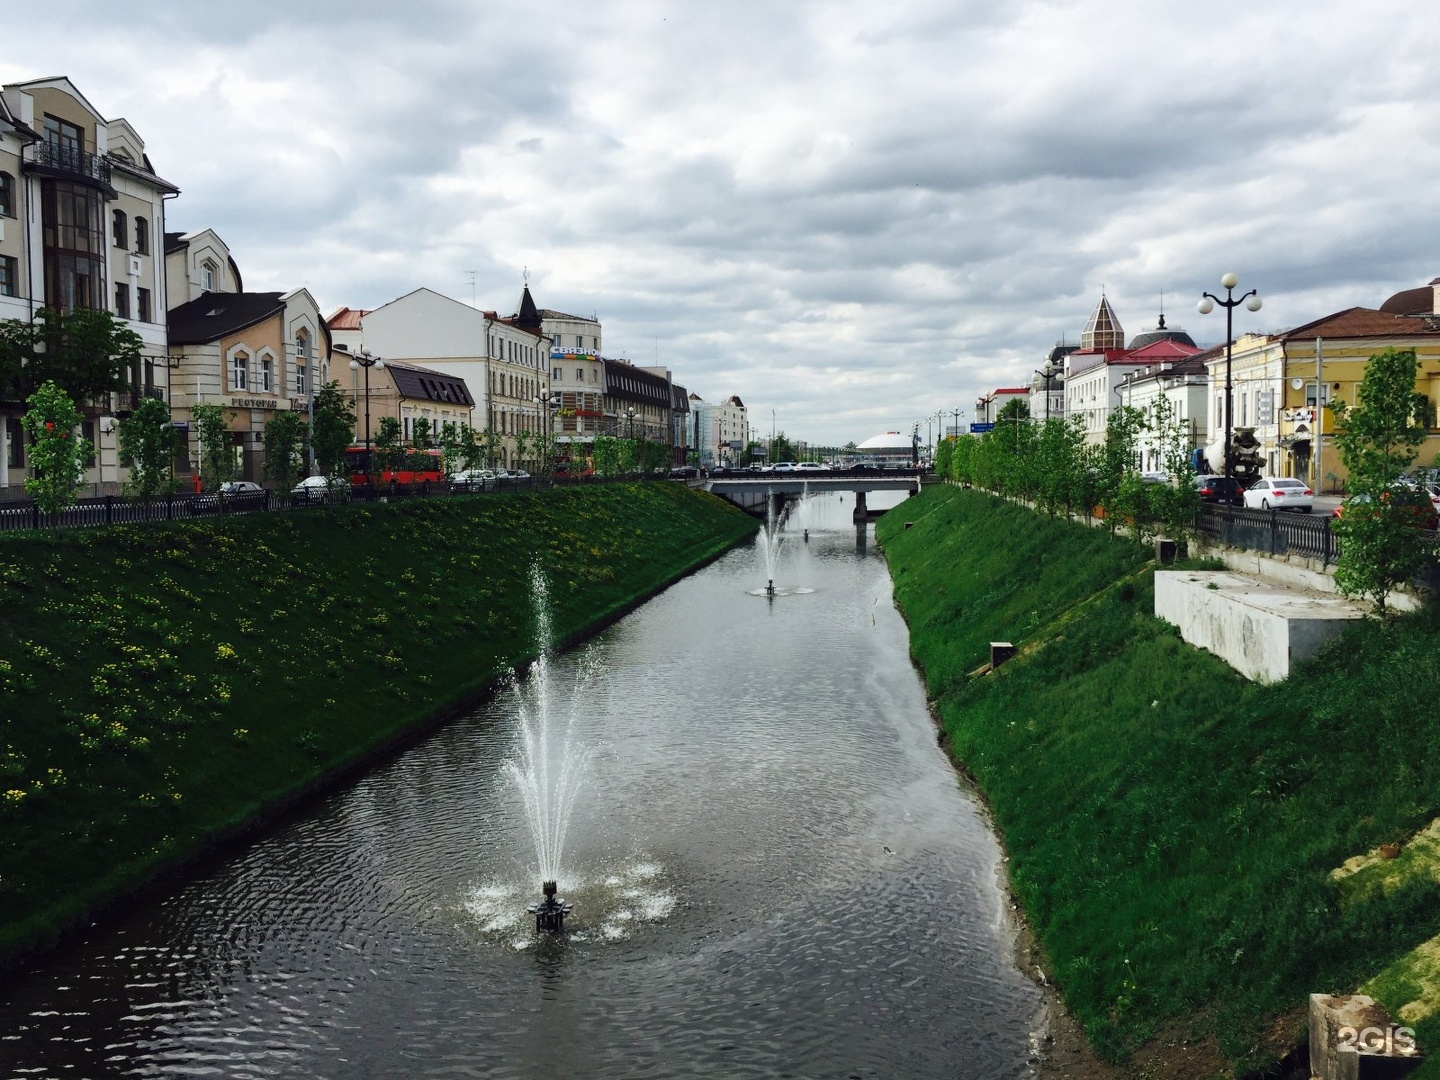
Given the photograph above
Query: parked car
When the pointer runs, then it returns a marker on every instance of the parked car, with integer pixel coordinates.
(1220, 489)
(1415, 506)
(239, 494)
(784, 466)
(684, 472)
(1155, 477)
(473, 480)
(519, 474)
(1280, 493)
(811, 466)
(321, 489)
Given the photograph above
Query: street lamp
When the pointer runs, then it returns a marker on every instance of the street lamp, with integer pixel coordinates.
(366, 361)
(630, 422)
(548, 407)
(1048, 372)
(1251, 300)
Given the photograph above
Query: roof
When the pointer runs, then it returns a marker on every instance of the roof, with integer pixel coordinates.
(551, 313)
(346, 318)
(1158, 351)
(1419, 301)
(528, 317)
(1103, 330)
(627, 381)
(1191, 365)
(734, 401)
(211, 316)
(1161, 333)
(1356, 322)
(416, 382)
(1012, 390)
(890, 440)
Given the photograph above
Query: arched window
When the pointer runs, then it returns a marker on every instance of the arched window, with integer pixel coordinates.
(207, 276)
(267, 375)
(239, 363)
(120, 227)
(7, 195)
(302, 359)
(142, 236)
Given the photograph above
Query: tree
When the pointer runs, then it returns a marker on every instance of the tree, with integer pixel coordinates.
(217, 450)
(489, 443)
(420, 433)
(334, 426)
(285, 448)
(1378, 438)
(944, 451)
(1119, 458)
(453, 446)
(148, 441)
(85, 353)
(523, 441)
(387, 453)
(606, 452)
(57, 457)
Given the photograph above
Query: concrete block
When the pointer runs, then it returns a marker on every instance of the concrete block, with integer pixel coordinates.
(1258, 627)
(1352, 1038)
(1000, 651)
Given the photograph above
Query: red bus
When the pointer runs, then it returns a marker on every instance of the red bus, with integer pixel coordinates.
(403, 466)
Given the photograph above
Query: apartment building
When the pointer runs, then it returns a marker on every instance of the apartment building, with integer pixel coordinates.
(82, 211)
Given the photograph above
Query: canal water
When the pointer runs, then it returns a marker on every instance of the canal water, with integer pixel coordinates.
(775, 873)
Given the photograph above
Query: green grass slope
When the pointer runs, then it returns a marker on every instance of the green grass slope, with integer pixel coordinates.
(1171, 827)
(163, 685)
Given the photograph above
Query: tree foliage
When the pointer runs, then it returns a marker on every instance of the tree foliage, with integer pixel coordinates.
(386, 450)
(285, 448)
(148, 441)
(217, 449)
(334, 420)
(85, 353)
(57, 456)
(1378, 438)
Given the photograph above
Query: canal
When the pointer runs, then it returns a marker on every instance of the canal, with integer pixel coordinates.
(775, 873)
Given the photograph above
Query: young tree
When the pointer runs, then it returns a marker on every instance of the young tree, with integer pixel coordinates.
(217, 449)
(944, 452)
(387, 452)
(148, 441)
(285, 448)
(489, 444)
(334, 427)
(606, 452)
(1378, 437)
(452, 447)
(523, 440)
(1119, 458)
(420, 433)
(57, 457)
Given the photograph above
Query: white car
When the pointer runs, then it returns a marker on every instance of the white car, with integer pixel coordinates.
(321, 489)
(473, 480)
(1280, 493)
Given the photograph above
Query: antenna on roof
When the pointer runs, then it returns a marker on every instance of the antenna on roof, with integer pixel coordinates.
(525, 274)
(472, 287)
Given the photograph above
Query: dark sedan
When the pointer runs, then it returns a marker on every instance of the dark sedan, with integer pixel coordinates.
(1220, 489)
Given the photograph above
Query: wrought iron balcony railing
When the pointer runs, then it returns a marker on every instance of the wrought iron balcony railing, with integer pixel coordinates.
(72, 159)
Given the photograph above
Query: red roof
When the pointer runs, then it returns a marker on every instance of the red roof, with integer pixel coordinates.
(1157, 352)
(1013, 390)
(1357, 322)
(346, 318)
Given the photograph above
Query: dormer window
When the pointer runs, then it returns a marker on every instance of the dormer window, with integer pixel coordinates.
(207, 276)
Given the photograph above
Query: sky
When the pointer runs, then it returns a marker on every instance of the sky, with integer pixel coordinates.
(852, 215)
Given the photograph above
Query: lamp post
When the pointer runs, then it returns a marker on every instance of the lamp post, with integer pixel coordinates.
(1048, 372)
(366, 361)
(1251, 300)
(547, 406)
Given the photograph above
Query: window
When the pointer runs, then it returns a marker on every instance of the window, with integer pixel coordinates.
(120, 227)
(7, 195)
(300, 379)
(555, 373)
(142, 236)
(579, 374)
(9, 271)
(238, 363)
(17, 443)
(207, 276)
(595, 343)
(579, 342)
(1310, 394)
(142, 305)
(122, 301)
(267, 375)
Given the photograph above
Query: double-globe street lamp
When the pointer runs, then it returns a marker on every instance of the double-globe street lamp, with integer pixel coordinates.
(1251, 300)
(366, 361)
(547, 406)
(1048, 372)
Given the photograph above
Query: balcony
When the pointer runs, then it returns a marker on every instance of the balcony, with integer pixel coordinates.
(70, 163)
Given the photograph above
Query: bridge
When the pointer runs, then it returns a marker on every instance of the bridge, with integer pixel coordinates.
(754, 493)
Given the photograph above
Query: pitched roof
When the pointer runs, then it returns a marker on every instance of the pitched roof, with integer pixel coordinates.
(414, 381)
(1419, 301)
(1356, 322)
(1158, 351)
(346, 318)
(551, 313)
(528, 317)
(211, 316)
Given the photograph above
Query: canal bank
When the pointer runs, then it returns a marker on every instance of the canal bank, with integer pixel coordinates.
(773, 866)
(168, 689)
(1172, 828)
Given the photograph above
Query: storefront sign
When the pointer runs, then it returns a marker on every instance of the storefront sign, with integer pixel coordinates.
(252, 403)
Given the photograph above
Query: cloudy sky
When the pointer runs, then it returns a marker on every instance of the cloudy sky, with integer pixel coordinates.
(852, 213)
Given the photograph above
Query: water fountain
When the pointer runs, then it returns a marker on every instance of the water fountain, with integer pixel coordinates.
(547, 768)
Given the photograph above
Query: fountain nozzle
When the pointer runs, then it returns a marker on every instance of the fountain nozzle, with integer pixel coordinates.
(770, 587)
(550, 912)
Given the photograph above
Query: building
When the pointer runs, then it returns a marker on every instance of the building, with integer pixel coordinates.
(255, 354)
(723, 430)
(503, 361)
(1099, 368)
(1276, 392)
(1184, 384)
(638, 401)
(989, 406)
(411, 393)
(82, 211)
(1047, 388)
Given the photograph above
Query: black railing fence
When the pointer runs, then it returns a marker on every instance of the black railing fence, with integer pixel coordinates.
(1279, 532)
(124, 510)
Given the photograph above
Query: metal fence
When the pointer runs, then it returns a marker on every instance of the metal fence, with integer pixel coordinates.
(124, 510)
(1279, 532)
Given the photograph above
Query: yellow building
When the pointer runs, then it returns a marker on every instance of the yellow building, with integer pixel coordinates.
(1276, 391)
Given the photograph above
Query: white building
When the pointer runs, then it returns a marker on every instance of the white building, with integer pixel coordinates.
(1185, 386)
(723, 428)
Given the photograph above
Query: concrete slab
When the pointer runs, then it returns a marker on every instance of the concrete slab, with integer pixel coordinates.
(1259, 627)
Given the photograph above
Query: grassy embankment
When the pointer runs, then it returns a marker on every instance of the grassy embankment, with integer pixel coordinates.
(1173, 828)
(161, 686)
